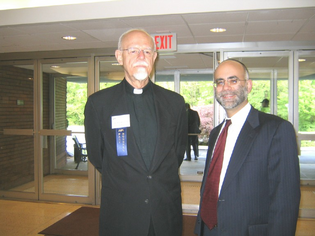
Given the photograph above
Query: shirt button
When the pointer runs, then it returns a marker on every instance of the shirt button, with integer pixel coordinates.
(149, 176)
(146, 201)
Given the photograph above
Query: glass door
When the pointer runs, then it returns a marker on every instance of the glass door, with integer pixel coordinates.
(269, 72)
(64, 162)
(194, 83)
(107, 73)
(197, 89)
(305, 121)
(17, 169)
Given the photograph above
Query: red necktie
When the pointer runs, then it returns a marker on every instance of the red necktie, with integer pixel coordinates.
(208, 210)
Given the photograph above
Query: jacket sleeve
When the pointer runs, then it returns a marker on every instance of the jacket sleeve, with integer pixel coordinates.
(181, 133)
(93, 135)
(284, 182)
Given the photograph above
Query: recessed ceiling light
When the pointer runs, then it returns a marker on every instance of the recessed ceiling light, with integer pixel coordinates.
(69, 38)
(302, 60)
(55, 67)
(218, 30)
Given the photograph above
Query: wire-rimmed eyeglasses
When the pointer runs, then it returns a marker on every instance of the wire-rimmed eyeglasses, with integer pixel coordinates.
(231, 81)
(136, 51)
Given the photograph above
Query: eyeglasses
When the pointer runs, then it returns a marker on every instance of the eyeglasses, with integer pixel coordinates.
(231, 81)
(136, 51)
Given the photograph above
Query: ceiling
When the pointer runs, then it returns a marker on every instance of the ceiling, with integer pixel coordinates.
(99, 37)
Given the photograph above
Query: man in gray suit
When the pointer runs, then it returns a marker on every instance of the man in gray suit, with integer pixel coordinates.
(136, 136)
(259, 181)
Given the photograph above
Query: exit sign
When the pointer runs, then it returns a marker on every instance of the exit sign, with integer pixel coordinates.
(165, 42)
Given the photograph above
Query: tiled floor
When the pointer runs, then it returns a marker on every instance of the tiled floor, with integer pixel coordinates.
(19, 218)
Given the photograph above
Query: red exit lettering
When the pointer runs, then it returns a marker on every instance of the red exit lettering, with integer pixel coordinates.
(163, 41)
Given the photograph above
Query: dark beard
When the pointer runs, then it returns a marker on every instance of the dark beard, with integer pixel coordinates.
(241, 96)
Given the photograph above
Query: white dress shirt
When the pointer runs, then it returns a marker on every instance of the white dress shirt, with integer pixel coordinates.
(234, 130)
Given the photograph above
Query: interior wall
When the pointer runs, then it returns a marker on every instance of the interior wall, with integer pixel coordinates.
(17, 151)
(127, 8)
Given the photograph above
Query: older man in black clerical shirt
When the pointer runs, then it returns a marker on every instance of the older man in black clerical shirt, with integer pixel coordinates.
(136, 135)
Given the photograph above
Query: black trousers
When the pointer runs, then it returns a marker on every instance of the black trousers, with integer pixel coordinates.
(192, 141)
(151, 229)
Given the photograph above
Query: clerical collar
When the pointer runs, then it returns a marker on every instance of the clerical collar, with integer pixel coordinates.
(137, 91)
(130, 89)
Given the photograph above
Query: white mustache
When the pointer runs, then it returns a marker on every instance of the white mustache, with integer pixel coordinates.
(141, 63)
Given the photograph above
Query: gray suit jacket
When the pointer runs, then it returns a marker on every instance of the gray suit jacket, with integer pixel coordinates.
(260, 194)
(131, 193)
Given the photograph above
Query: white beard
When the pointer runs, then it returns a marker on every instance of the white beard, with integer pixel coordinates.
(141, 75)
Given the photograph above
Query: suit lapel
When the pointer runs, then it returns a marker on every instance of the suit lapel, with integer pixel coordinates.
(242, 147)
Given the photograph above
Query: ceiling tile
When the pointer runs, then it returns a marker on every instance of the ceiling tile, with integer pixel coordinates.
(181, 30)
(42, 28)
(269, 27)
(215, 18)
(101, 35)
(220, 39)
(97, 24)
(106, 34)
(149, 21)
(9, 31)
(283, 14)
(186, 40)
(304, 36)
(268, 37)
(231, 28)
(309, 26)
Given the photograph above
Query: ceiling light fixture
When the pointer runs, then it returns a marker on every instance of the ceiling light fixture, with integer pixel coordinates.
(69, 38)
(217, 30)
(302, 60)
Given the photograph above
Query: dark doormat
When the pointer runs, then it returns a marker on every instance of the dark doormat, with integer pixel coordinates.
(84, 222)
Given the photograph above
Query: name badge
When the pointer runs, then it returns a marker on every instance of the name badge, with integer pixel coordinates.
(121, 121)
(120, 124)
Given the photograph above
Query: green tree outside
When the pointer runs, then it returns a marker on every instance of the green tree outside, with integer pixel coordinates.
(76, 99)
(200, 93)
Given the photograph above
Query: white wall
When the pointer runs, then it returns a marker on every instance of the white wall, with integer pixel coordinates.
(125, 8)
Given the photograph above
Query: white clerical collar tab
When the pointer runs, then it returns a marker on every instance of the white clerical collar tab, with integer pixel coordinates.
(137, 91)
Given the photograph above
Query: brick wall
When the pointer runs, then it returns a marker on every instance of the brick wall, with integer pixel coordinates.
(17, 152)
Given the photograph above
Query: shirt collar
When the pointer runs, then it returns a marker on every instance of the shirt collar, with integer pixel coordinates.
(130, 89)
(241, 115)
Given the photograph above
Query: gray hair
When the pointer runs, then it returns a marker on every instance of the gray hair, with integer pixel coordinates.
(132, 30)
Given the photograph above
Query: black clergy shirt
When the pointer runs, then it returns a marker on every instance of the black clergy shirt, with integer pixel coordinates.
(143, 120)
